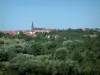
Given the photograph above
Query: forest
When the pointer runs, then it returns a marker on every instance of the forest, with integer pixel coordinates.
(70, 53)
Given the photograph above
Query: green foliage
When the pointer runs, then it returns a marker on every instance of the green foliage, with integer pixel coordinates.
(1, 34)
(37, 48)
(1, 42)
(18, 48)
(43, 57)
(1, 72)
(49, 47)
(76, 56)
(70, 54)
(61, 53)
(22, 63)
(23, 36)
(3, 54)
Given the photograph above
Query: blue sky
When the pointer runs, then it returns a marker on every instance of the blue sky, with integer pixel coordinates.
(18, 14)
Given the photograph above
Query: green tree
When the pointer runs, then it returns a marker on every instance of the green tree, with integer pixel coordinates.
(37, 48)
(22, 63)
(61, 53)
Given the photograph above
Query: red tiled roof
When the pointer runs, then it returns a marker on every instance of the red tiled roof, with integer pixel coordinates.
(26, 32)
(13, 32)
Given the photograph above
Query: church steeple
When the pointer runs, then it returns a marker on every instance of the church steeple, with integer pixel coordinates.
(32, 27)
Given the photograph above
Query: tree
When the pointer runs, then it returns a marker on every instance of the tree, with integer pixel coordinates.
(3, 54)
(22, 63)
(1, 34)
(37, 48)
(76, 56)
(49, 47)
(61, 53)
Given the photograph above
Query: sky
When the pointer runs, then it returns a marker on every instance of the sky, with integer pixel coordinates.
(60, 14)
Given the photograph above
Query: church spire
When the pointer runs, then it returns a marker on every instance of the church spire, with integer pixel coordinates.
(32, 27)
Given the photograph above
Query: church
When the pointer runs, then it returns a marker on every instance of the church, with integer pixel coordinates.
(33, 29)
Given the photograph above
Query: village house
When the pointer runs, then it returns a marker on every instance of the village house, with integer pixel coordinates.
(84, 29)
(29, 32)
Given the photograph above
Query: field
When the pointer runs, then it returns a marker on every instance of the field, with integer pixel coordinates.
(65, 52)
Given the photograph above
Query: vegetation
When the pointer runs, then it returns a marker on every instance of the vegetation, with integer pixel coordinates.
(68, 54)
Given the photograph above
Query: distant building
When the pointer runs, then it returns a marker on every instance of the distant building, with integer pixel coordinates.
(84, 29)
(30, 32)
(17, 32)
(33, 29)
